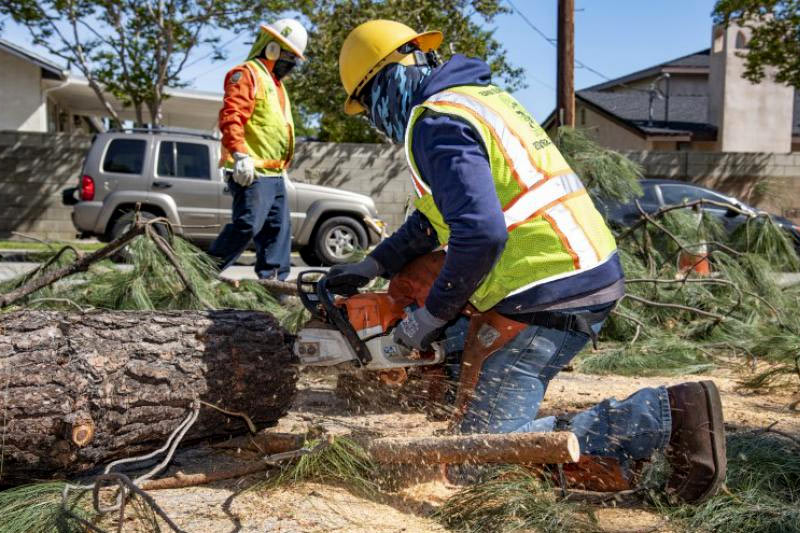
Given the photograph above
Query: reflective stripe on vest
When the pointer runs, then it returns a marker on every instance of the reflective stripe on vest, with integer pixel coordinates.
(269, 131)
(542, 198)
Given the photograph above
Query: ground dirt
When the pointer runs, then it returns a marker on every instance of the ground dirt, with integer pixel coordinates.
(236, 507)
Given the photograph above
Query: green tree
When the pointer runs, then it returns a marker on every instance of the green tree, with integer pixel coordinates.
(135, 49)
(775, 40)
(316, 88)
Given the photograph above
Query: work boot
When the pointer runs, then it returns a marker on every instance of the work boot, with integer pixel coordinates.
(696, 450)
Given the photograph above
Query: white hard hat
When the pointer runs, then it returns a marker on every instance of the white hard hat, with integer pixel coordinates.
(289, 33)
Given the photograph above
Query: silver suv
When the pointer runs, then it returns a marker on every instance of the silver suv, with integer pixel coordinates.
(174, 174)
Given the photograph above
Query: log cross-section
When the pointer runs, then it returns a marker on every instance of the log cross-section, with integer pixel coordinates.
(78, 390)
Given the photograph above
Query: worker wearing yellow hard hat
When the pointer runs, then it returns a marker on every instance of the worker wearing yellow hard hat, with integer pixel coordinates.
(525, 249)
(257, 146)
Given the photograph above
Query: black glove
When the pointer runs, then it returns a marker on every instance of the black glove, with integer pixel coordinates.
(347, 279)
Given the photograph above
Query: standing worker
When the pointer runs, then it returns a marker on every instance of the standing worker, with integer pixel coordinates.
(257, 147)
(526, 252)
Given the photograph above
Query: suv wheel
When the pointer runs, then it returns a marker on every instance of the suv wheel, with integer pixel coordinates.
(309, 256)
(338, 239)
(124, 223)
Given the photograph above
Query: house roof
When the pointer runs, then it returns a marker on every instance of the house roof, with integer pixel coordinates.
(52, 68)
(695, 61)
(687, 113)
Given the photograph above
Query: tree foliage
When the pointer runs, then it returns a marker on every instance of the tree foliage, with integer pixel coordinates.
(316, 87)
(775, 40)
(134, 49)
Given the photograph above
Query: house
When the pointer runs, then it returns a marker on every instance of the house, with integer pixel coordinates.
(698, 102)
(41, 96)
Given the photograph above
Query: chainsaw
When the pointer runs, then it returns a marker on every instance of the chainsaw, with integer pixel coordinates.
(356, 331)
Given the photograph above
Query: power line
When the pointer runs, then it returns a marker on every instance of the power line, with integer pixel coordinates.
(553, 42)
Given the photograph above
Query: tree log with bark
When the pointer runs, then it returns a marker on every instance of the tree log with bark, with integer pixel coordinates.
(78, 390)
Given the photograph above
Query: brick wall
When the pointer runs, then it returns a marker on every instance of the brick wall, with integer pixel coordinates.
(35, 167)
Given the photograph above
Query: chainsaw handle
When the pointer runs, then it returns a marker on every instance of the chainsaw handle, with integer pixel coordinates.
(320, 303)
(310, 298)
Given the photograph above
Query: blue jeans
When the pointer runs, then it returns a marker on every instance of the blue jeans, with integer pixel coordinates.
(513, 382)
(260, 213)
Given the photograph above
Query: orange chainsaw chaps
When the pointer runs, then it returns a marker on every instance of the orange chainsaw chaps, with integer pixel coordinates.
(369, 311)
(414, 282)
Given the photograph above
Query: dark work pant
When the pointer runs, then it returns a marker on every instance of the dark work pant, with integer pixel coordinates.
(261, 213)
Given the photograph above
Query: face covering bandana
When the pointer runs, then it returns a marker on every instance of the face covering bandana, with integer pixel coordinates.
(282, 67)
(391, 93)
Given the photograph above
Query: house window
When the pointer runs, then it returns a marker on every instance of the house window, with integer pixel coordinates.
(741, 41)
(719, 41)
(125, 156)
(683, 146)
(184, 160)
(583, 116)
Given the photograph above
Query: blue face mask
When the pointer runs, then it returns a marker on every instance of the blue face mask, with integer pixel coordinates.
(391, 93)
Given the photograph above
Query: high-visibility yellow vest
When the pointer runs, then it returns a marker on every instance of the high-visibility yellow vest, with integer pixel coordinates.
(269, 132)
(554, 229)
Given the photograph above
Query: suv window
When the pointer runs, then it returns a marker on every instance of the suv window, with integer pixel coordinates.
(125, 156)
(183, 160)
(677, 194)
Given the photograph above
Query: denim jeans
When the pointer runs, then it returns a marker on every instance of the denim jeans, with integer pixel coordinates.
(513, 382)
(260, 213)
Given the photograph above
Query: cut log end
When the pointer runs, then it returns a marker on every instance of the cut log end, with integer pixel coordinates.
(82, 433)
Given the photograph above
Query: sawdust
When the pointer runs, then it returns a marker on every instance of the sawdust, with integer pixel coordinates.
(234, 507)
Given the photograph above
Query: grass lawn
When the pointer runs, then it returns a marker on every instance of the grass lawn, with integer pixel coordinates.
(42, 247)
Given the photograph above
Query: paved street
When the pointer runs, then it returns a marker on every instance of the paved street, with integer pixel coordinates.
(9, 270)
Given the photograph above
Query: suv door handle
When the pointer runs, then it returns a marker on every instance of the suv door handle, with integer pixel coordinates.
(161, 185)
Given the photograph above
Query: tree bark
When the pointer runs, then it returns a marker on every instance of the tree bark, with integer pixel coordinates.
(80, 390)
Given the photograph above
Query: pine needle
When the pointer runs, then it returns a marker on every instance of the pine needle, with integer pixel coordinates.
(36, 508)
(512, 499)
(342, 461)
(763, 490)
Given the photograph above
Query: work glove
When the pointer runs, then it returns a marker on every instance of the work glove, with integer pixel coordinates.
(244, 170)
(418, 330)
(347, 279)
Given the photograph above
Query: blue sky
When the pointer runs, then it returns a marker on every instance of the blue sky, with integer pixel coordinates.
(614, 37)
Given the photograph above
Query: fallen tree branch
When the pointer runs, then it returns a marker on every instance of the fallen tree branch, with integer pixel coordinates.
(668, 208)
(80, 265)
(639, 299)
(165, 249)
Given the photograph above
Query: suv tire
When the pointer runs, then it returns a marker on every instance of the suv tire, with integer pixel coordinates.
(338, 238)
(124, 223)
(309, 256)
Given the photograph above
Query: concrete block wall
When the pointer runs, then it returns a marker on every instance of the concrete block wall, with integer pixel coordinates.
(377, 170)
(35, 167)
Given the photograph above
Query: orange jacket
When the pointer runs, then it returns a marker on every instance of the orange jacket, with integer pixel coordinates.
(238, 104)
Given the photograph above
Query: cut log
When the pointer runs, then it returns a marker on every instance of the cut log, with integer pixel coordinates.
(79, 390)
(505, 448)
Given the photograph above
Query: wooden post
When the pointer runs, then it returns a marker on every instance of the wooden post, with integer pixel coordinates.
(566, 63)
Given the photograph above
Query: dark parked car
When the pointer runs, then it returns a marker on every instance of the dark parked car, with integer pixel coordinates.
(659, 193)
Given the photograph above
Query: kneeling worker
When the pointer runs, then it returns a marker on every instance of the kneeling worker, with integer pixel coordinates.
(525, 249)
(257, 147)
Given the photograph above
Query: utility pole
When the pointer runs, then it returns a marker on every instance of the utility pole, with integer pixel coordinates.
(565, 100)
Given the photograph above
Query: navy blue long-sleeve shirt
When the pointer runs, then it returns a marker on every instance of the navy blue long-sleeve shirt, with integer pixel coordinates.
(451, 159)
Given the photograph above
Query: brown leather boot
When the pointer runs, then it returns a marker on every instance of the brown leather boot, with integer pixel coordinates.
(696, 450)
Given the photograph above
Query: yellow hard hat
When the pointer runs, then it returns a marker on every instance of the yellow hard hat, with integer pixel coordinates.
(370, 46)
